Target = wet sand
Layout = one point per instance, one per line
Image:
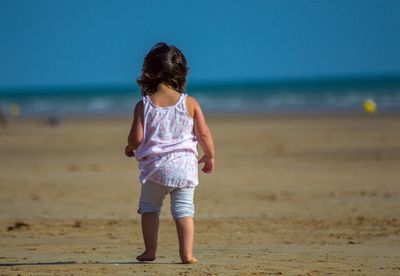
(290, 195)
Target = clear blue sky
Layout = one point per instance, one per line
(96, 42)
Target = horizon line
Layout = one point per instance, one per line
(338, 79)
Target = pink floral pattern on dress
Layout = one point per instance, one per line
(168, 152)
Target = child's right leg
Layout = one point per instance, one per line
(182, 209)
(185, 229)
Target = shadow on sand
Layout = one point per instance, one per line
(78, 263)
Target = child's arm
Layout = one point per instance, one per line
(203, 135)
(135, 136)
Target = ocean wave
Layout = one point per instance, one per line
(212, 100)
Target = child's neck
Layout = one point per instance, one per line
(165, 89)
(165, 96)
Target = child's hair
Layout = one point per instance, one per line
(164, 63)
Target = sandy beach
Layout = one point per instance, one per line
(291, 195)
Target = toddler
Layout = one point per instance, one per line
(166, 127)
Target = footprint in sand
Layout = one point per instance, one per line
(74, 168)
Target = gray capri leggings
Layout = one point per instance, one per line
(152, 195)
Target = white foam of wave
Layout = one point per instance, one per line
(213, 101)
(98, 104)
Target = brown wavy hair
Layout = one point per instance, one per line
(163, 63)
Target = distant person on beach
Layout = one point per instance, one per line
(166, 126)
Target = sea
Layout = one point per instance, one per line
(315, 96)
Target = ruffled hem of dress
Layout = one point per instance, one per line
(173, 184)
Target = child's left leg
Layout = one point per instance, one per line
(150, 222)
(151, 199)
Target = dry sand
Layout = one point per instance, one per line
(290, 195)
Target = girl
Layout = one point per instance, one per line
(166, 126)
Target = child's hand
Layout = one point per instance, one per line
(208, 164)
(129, 151)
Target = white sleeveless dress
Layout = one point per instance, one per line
(167, 154)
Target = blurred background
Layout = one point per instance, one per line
(81, 58)
(302, 98)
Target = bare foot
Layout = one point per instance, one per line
(193, 260)
(146, 257)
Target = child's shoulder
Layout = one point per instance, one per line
(139, 104)
(190, 100)
(139, 107)
(192, 105)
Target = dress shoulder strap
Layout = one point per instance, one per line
(182, 102)
(146, 104)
